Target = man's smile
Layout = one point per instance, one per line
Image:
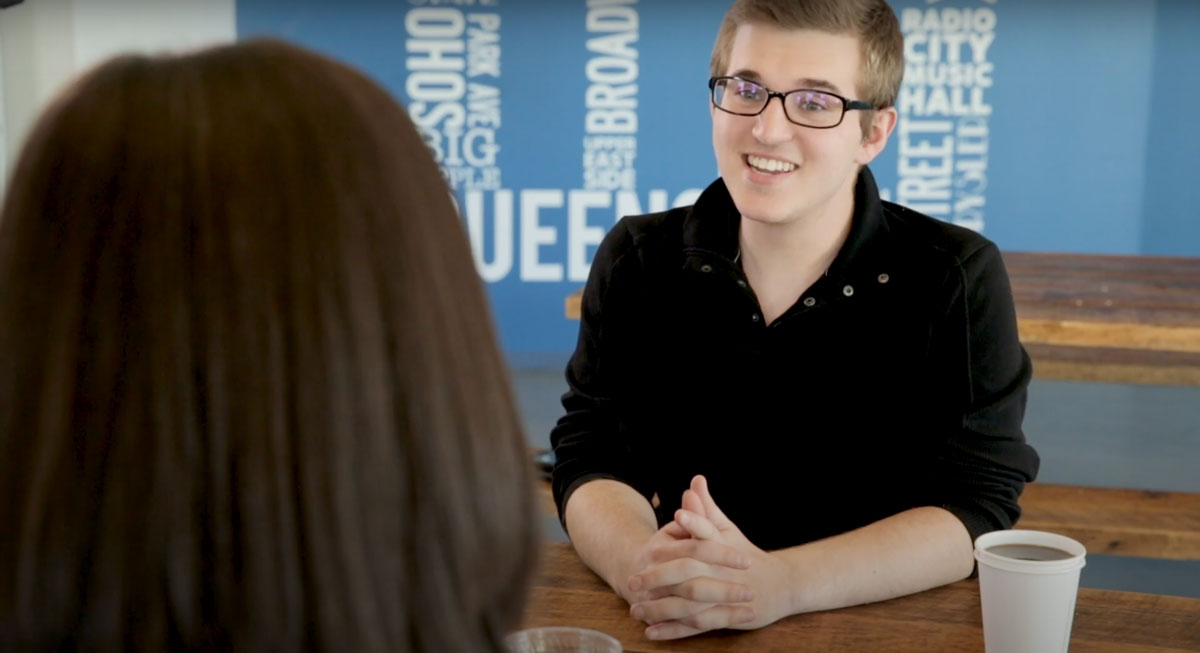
(768, 165)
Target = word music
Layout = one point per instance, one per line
(943, 131)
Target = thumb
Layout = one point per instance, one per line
(714, 514)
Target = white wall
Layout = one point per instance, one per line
(3, 126)
(46, 43)
(36, 57)
(106, 27)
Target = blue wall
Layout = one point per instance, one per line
(1070, 152)
(1170, 219)
(1078, 137)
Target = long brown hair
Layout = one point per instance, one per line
(250, 397)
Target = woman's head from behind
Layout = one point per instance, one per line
(249, 394)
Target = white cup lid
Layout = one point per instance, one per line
(1034, 538)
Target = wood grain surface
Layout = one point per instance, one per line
(948, 618)
(1116, 521)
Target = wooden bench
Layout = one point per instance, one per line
(1086, 317)
(1124, 319)
(1140, 523)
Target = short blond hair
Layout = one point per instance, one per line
(872, 21)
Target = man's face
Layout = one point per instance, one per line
(823, 162)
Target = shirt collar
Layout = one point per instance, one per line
(712, 224)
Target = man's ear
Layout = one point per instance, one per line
(876, 136)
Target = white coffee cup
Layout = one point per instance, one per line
(1028, 600)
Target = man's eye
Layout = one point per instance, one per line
(749, 92)
(811, 102)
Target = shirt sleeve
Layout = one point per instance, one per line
(981, 467)
(591, 440)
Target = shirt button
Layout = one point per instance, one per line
(810, 301)
(741, 284)
(755, 317)
(848, 291)
(884, 278)
(706, 268)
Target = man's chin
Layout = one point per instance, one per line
(777, 191)
(770, 219)
(756, 210)
(760, 206)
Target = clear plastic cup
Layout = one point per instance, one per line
(561, 639)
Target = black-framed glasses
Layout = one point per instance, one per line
(804, 106)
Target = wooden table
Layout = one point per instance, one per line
(1088, 317)
(566, 593)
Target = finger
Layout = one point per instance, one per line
(720, 616)
(715, 617)
(675, 531)
(668, 573)
(674, 572)
(711, 511)
(710, 551)
(657, 593)
(691, 501)
(696, 525)
(670, 630)
(666, 609)
(710, 590)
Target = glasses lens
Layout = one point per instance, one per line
(814, 108)
(739, 96)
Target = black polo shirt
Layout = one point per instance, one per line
(895, 381)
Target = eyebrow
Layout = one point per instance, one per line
(804, 82)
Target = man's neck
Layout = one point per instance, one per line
(782, 261)
(801, 248)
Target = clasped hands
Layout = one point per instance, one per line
(700, 573)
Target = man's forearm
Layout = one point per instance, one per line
(909, 552)
(608, 522)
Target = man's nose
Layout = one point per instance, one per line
(772, 125)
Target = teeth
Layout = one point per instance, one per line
(770, 165)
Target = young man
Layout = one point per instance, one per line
(844, 373)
